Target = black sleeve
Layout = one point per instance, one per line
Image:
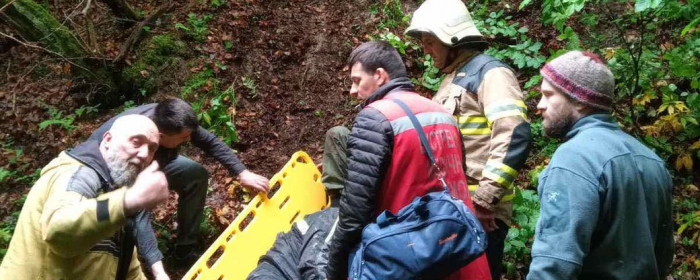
(213, 146)
(146, 238)
(369, 152)
(145, 110)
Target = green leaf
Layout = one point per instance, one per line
(181, 27)
(517, 243)
(690, 26)
(373, 10)
(524, 4)
(535, 47)
(65, 123)
(682, 228)
(4, 173)
(693, 100)
(513, 233)
(206, 118)
(643, 5)
(507, 248)
(535, 80)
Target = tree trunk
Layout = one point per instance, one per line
(123, 12)
(33, 23)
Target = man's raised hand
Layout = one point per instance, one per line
(150, 189)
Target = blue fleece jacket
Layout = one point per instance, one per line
(605, 208)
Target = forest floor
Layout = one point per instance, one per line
(285, 61)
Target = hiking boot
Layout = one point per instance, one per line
(186, 256)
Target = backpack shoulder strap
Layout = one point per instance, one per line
(423, 139)
(127, 250)
(471, 74)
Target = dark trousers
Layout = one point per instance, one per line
(189, 179)
(335, 157)
(335, 162)
(494, 251)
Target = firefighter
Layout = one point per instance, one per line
(484, 96)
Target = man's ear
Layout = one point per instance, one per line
(382, 76)
(582, 109)
(106, 138)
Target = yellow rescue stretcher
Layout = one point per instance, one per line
(236, 251)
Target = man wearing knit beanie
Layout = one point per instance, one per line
(605, 198)
(584, 79)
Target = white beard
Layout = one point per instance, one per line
(123, 173)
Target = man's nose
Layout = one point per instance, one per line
(541, 106)
(143, 152)
(353, 90)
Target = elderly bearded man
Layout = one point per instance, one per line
(72, 225)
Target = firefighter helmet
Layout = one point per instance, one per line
(449, 21)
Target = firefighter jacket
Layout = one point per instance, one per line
(70, 227)
(484, 96)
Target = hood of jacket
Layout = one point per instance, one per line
(88, 153)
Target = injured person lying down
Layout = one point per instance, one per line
(302, 252)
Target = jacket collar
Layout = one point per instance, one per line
(398, 84)
(89, 154)
(462, 56)
(604, 120)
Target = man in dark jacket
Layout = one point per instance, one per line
(605, 198)
(386, 168)
(178, 123)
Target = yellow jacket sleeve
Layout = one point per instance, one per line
(506, 114)
(75, 218)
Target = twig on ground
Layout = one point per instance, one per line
(90, 29)
(87, 7)
(6, 5)
(7, 71)
(45, 50)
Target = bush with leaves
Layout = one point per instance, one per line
(196, 27)
(7, 226)
(526, 211)
(215, 108)
(391, 14)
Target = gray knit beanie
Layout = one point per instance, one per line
(583, 76)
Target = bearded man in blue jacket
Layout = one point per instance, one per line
(605, 209)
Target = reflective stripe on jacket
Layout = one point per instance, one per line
(484, 96)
